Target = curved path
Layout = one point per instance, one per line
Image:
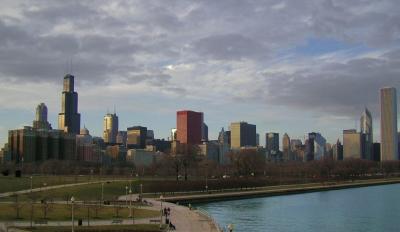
(182, 217)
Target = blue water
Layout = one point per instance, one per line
(375, 208)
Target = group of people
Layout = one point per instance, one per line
(167, 212)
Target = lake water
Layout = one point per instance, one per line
(375, 208)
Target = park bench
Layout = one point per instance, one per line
(154, 220)
(116, 221)
(40, 222)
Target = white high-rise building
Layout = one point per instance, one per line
(389, 136)
(110, 128)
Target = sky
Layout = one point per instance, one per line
(286, 66)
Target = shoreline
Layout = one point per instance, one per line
(276, 191)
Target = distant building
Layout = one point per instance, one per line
(210, 150)
(376, 152)
(243, 134)
(137, 136)
(36, 145)
(86, 150)
(286, 147)
(352, 144)
(110, 128)
(204, 132)
(189, 125)
(315, 146)
(272, 143)
(174, 134)
(40, 121)
(122, 136)
(69, 120)
(367, 132)
(141, 157)
(296, 149)
(337, 151)
(224, 146)
(389, 140)
(117, 153)
(257, 139)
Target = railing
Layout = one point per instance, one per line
(207, 215)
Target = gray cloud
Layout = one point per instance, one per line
(134, 41)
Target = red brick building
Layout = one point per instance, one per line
(189, 126)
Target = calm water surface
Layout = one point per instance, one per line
(375, 208)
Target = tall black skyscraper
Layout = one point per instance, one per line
(69, 119)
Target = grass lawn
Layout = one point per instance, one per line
(11, 183)
(113, 228)
(85, 192)
(61, 212)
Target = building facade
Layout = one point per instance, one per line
(286, 147)
(389, 140)
(352, 144)
(272, 143)
(136, 137)
(40, 121)
(69, 120)
(189, 125)
(367, 131)
(243, 134)
(110, 128)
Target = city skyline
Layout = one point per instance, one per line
(238, 69)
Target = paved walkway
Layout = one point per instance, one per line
(184, 219)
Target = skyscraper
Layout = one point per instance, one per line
(110, 128)
(136, 137)
(366, 130)
(286, 146)
(315, 146)
(69, 119)
(352, 144)
(40, 121)
(189, 125)
(389, 140)
(272, 143)
(204, 132)
(243, 134)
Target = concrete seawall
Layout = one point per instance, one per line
(276, 191)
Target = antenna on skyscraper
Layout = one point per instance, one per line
(114, 110)
(71, 64)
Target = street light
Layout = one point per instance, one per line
(72, 209)
(102, 192)
(31, 177)
(161, 199)
(141, 192)
(130, 206)
(126, 196)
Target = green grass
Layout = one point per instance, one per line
(113, 228)
(62, 212)
(88, 192)
(11, 183)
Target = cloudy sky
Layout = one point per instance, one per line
(286, 66)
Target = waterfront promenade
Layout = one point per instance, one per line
(275, 190)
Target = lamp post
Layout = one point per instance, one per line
(161, 199)
(102, 192)
(72, 209)
(141, 192)
(126, 196)
(31, 177)
(130, 206)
